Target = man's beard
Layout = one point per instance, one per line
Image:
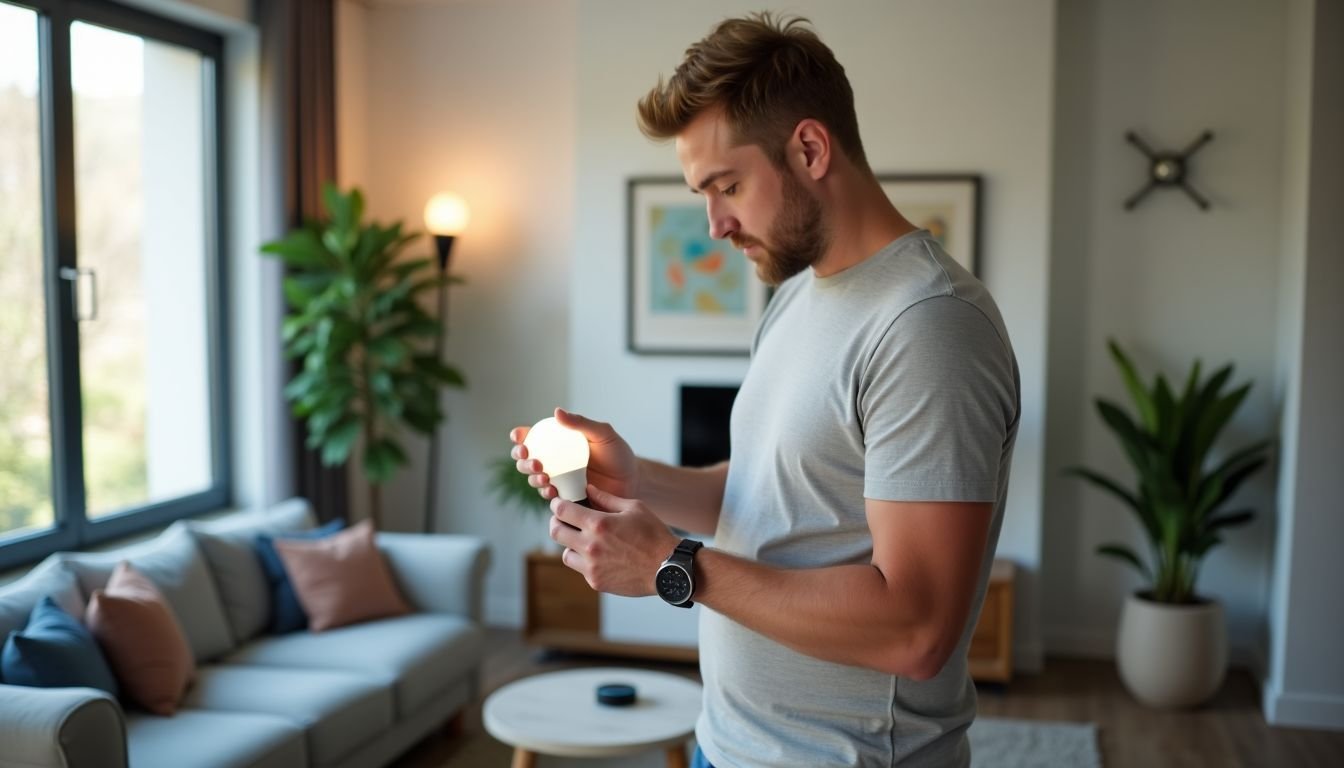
(796, 239)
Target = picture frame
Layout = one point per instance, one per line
(946, 204)
(687, 294)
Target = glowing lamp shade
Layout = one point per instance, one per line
(446, 214)
(563, 453)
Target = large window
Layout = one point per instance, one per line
(112, 371)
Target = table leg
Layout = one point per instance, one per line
(523, 758)
(676, 757)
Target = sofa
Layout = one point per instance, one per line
(358, 695)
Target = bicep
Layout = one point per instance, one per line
(930, 554)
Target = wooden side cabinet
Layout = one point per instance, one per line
(990, 656)
(563, 613)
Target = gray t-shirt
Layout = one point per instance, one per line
(895, 380)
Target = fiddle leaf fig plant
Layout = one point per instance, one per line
(1180, 494)
(368, 348)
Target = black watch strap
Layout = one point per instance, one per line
(687, 549)
(684, 556)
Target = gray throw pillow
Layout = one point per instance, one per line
(242, 584)
(175, 564)
(48, 577)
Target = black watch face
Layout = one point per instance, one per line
(673, 584)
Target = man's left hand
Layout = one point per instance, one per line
(617, 547)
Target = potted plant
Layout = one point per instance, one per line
(1172, 645)
(369, 367)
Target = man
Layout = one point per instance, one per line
(856, 520)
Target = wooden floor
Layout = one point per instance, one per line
(1228, 732)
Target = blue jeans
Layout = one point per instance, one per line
(699, 760)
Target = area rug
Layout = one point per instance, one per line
(995, 743)
(999, 743)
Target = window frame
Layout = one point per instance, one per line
(72, 528)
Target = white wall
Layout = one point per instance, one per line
(475, 97)
(1169, 282)
(939, 86)
(1305, 682)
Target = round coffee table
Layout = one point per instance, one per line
(557, 713)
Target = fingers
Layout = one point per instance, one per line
(519, 451)
(590, 429)
(576, 515)
(565, 534)
(608, 501)
(518, 435)
(573, 560)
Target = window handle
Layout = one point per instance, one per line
(73, 275)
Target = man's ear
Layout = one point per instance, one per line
(810, 148)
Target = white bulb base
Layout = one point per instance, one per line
(572, 485)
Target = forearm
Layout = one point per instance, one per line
(684, 497)
(850, 614)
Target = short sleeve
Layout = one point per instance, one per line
(938, 402)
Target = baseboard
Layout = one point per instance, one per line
(1304, 710)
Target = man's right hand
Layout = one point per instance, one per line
(612, 466)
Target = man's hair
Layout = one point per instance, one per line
(767, 73)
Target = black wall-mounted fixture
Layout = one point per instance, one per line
(1168, 169)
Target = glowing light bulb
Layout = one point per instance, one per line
(563, 453)
(446, 214)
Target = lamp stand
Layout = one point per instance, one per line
(443, 244)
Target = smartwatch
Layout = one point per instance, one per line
(675, 582)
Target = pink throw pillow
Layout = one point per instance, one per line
(341, 579)
(143, 642)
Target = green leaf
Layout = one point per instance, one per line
(1215, 418)
(1137, 392)
(336, 447)
(1132, 440)
(380, 382)
(1121, 552)
(408, 268)
(1230, 519)
(382, 460)
(1105, 483)
(299, 291)
(301, 249)
(300, 384)
(389, 349)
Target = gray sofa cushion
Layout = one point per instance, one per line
(229, 548)
(197, 739)
(340, 711)
(241, 582)
(420, 655)
(50, 577)
(175, 565)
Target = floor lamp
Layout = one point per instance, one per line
(445, 217)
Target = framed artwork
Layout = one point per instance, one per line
(689, 294)
(948, 205)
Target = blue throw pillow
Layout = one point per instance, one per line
(286, 613)
(55, 651)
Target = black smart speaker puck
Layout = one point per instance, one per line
(616, 694)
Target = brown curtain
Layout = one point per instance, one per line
(299, 114)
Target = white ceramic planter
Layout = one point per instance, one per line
(1172, 656)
